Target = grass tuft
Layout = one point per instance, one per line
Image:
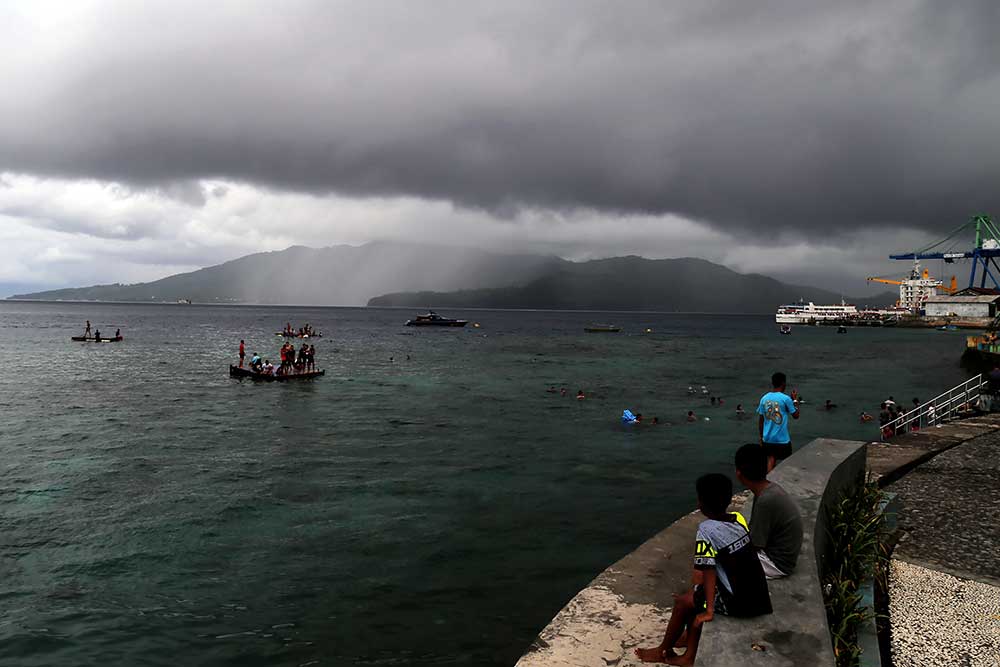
(856, 553)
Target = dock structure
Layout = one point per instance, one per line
(983, 254)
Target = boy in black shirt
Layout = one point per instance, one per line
(727, 574)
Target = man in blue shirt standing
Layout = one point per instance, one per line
(775, 409)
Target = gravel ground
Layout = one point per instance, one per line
(950, 507)
(937, 619)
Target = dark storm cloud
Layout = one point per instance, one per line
(746, 116)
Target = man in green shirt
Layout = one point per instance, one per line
(775, 524)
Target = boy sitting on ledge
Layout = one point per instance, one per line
(727, 574)
(775, 523)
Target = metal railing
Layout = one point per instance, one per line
(937, 410)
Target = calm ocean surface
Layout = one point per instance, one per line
(436, 510)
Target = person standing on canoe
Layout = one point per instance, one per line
(311, 357)
(243, 352)
(97, 335)
(87, 331)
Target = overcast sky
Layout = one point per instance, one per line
(801, 140)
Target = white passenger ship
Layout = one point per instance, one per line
(805, 313)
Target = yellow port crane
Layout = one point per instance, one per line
(915, 289)
(951, 289)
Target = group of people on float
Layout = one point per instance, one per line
(733, 557)
(291, 361)
(301, 332)
(97, 332)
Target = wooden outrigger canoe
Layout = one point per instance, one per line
(237, 372)
(297, 335)
(91, 339)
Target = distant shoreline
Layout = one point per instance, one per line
(401, 308)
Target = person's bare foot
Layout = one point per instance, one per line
(655, 654)
(674, 659)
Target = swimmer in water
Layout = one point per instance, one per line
(580, 395)
(562, 392)
(830, 405)
(690, 389)
(691, 417)
(638, 418)
(739, 410)
(865, 417)
(713, 400)
(704, 389)
(656, 421)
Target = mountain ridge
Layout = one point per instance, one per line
(635, 283)
(387, 273)
(340, 275)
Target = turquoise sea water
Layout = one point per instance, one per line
(436, 509)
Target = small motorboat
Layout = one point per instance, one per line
(237, 372)
(785, 329)
(102, 339)
(432, 319)
(602, 328)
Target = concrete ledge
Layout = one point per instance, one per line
(627, 605)
(796, 633)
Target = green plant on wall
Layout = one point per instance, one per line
(856, 554)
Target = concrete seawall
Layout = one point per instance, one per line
(628, 604)
(816, 476)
